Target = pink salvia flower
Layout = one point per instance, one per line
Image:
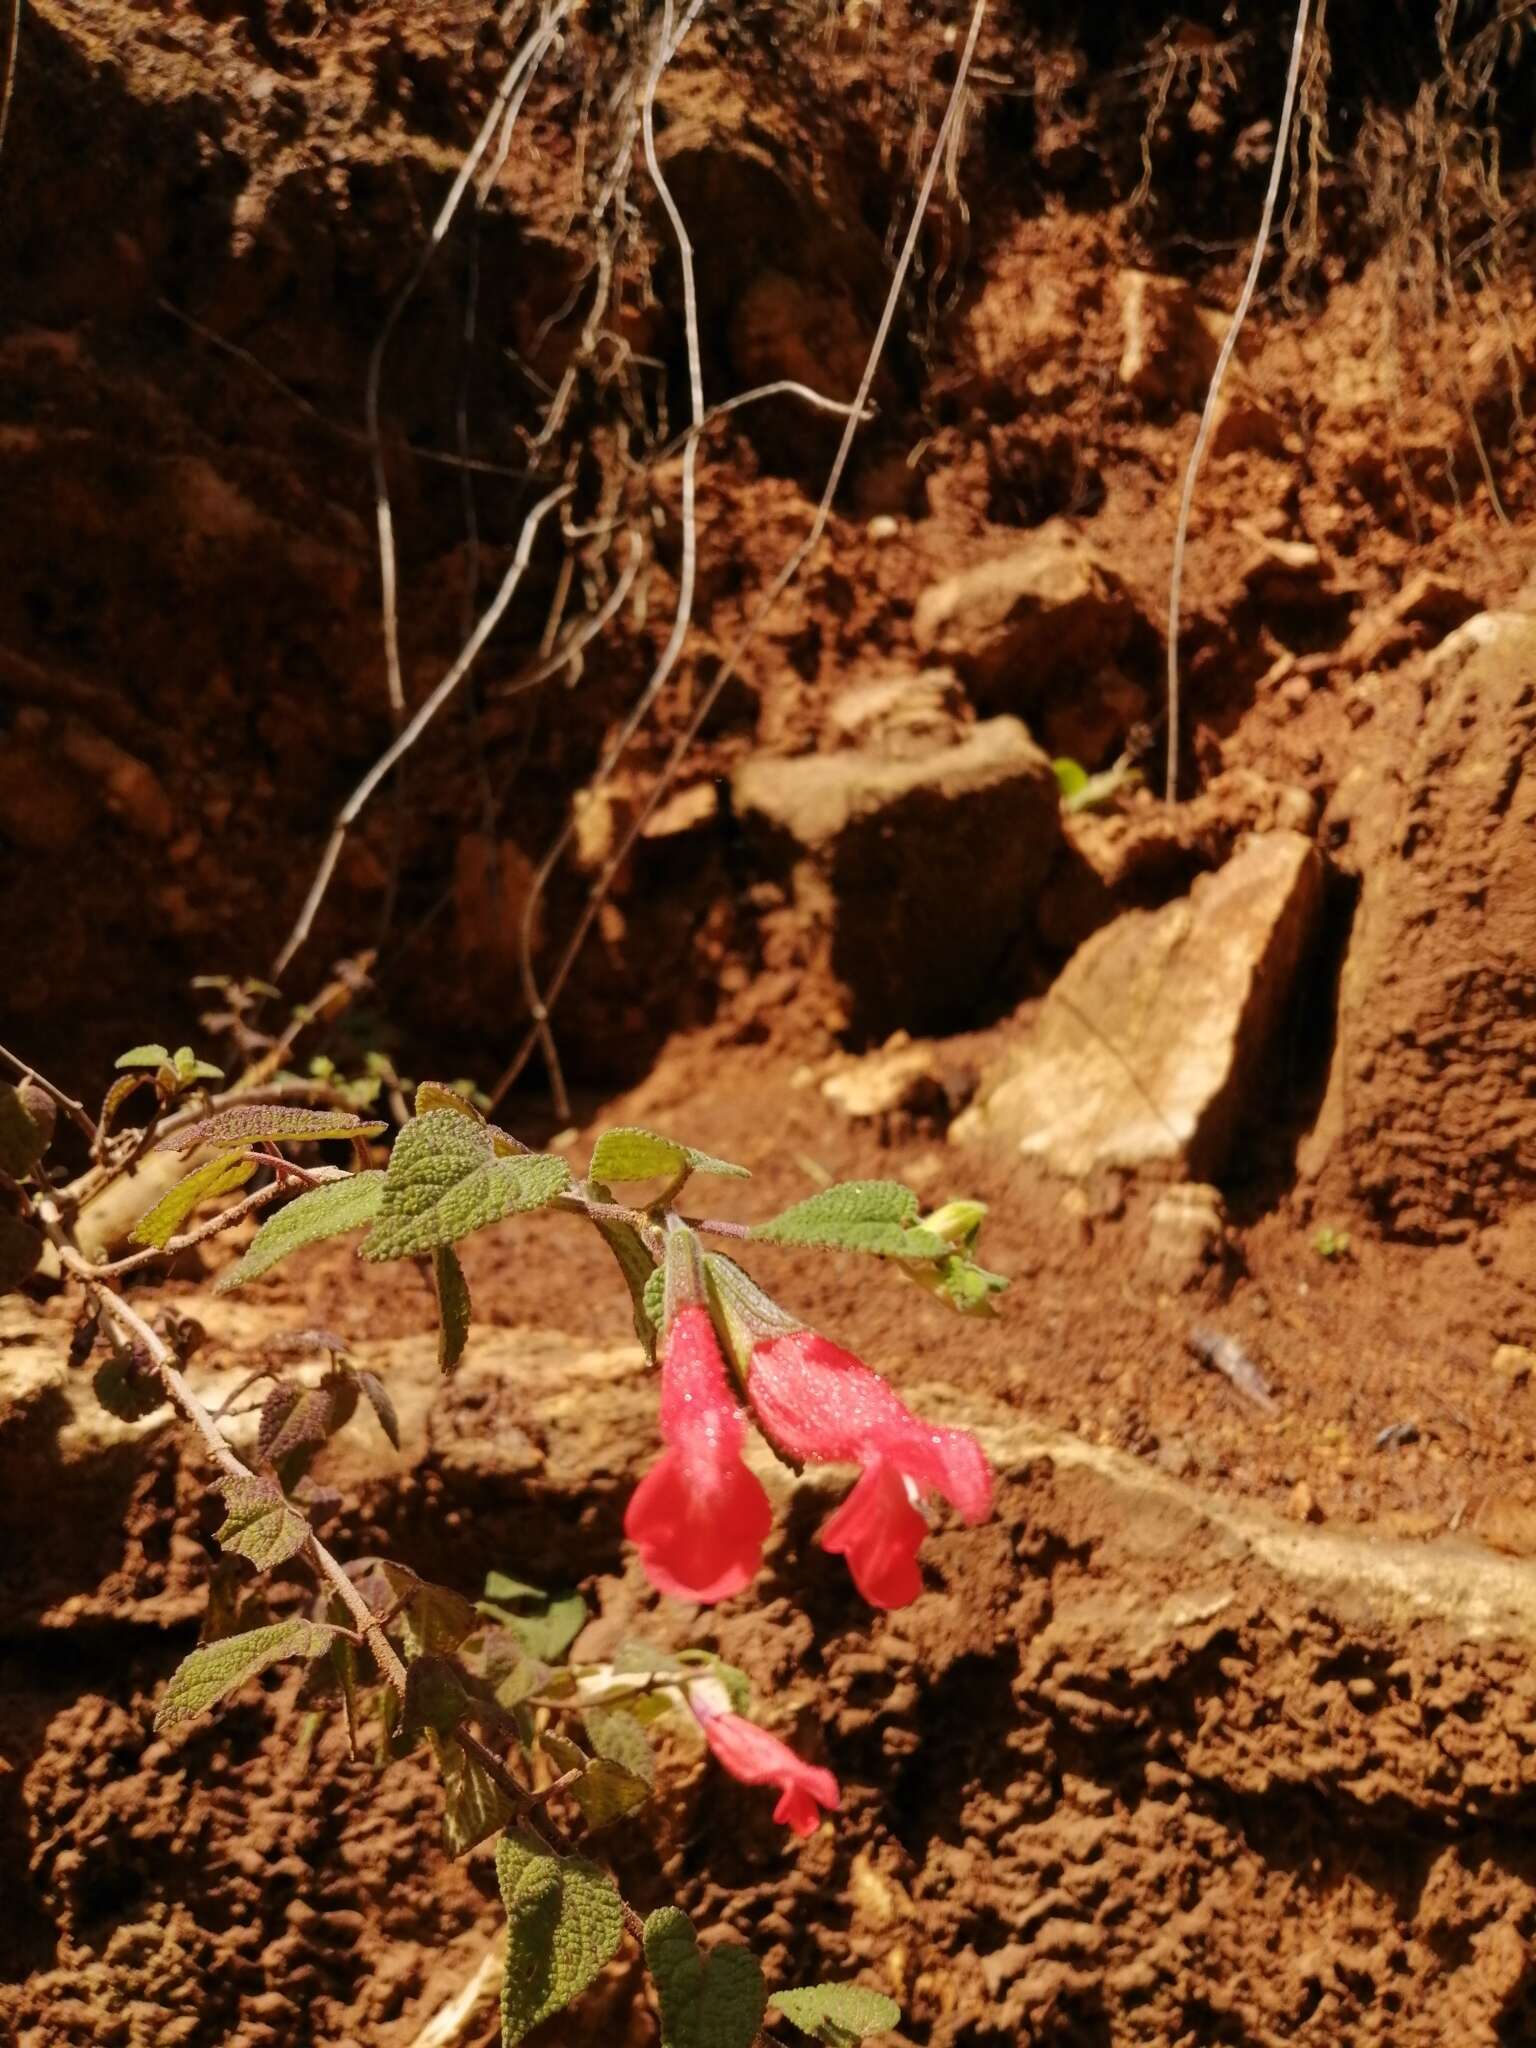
(823, 1405)
(698, 1518)
(755, 1757)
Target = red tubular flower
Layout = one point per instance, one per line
(755, 1757)
(821, 1404)
(698, 1518)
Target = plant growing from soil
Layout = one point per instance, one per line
(534, 1747)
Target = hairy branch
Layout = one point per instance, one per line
(490, 618)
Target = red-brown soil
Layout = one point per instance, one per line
(1222, 1730)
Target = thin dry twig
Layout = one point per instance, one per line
(1218, 377)
(781, 582)
(667, 46)
(490, 618)
(12, 50)
(513, 87)
(138, 1336)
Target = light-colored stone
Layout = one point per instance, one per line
(911, 878)
(1187, 1244)
(1169, 341)
(1146, 1051)
(901, 716)
(1012, 625)
(1514, 1362)
(914, 1079)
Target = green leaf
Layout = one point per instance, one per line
(653, 1301)
(838, 2013)
(606, 1792)
(268, 1123)
(216, 1669)
(630, 1153)
(546, 1624)
(438, 1095)
(474, 1805)
(22, 1142)
(190, 1068)
(620, 1738)
(435, 1699)
(564, 1922)
(1071, 776)
(707, 2001)
(20, 1249)
(858, 1216)
(433, 1619)
(960, 1284)
(214, 1177)
(640, 1271)
(445, 1180)
(144, 1056)
(454, 1308)
(260, 1522)
(318, 1213)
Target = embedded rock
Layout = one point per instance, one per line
(914, 877)
(1430, 1118)
(1013, 625)
(1147, 1049)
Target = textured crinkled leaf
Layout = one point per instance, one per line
(619, 1737)
(454, 1309)
(20, 1249)
(474, 1805)
(837, 2013)
(857, 1216)
(713, 2000)
(381, 1401)
(640, 1271)
(118, 1094)
(216, 1669)
(435, 1619)
(564, 1923)
(261, 1523)
(544, 1623)
(214, 1177)
(144, 1056)
(268, 1123)
(630, 1153)
(565, 1754)
(318, 1213)
(435, 1698)
(438, 1095)
(606, 1791)
(22, 1140)
(292, 1416)
(445, 1180)
(127, 1389)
